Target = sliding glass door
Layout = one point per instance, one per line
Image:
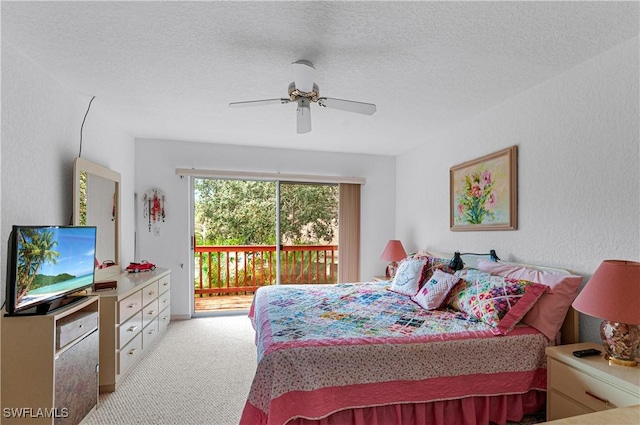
(249, 234)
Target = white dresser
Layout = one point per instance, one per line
(132, 318)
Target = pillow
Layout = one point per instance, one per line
(498, 301)
(407, 278)
(435, 291)
(431, 265)
(548, 314)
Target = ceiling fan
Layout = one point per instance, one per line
(303, 92)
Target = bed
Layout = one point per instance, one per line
(375, 353)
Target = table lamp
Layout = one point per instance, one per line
(393, 252)
(613, 294)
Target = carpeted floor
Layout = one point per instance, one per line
(199, 373)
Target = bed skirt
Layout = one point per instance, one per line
(467, 411)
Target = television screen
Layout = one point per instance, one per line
(46, 263)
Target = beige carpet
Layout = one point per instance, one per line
(199, 373)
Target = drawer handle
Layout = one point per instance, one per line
(132, 328)
(152, 312)
(165, 284)
(81, 326)
(603, 400)
(151, 331)
(132, 305)
(151, 292)
(132, 351)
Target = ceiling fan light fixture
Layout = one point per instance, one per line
(303, 115)
(294, 93)
(304, 91)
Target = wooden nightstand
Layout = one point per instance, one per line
(577, 386)
(380, 278)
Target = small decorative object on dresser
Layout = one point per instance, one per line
(613, 294)
(142, 266)
(581, 385)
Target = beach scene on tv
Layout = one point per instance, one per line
(52, 261)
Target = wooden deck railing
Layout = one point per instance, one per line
(242, 269)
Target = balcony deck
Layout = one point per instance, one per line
(225, 273)
(223, 303)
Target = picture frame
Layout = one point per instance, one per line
(484, 192)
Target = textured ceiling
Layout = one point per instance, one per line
(168, 70)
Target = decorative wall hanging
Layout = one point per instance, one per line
(153, 207)
(483, 192)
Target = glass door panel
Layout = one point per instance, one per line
(234, 241)
(308, 233)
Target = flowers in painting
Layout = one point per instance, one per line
(476, 199)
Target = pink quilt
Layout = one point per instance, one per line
(326, 348)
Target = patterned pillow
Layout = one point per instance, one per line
(548, 313)
(432, 264)
(435, 291)
(407, 278)
(496, 300)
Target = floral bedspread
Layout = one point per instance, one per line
(324, 348)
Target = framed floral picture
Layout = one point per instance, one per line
(484, 193)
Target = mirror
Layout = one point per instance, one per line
(96, 202)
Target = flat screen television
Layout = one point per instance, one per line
(46, 264)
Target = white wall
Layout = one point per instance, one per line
(156, 162)
(579, 172)
(41, 122)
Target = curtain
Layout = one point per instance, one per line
(349, 233)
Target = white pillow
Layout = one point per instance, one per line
(407, 278)
(434, 292)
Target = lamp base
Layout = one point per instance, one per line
(391, 270)
(620, 342)
(614, 361)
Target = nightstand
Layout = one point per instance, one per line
(577, 386)
(380, 278)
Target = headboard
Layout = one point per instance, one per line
(569, 333)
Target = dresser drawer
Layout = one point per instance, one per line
(150, 312)
(164, 300)
(591, 392)
(150, 293)
(129, 329)
(129, 306)
(129, 354)
(164, 284)
(164, 318)
(72, 327)
(150, 333)
(561, 406)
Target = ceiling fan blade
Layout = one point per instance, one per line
(347, 105)
(258, 103)
(303, 75)
(303, 113)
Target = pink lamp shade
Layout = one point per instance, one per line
(613, 294)
(394, 251)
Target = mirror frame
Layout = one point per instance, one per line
(82, 165)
